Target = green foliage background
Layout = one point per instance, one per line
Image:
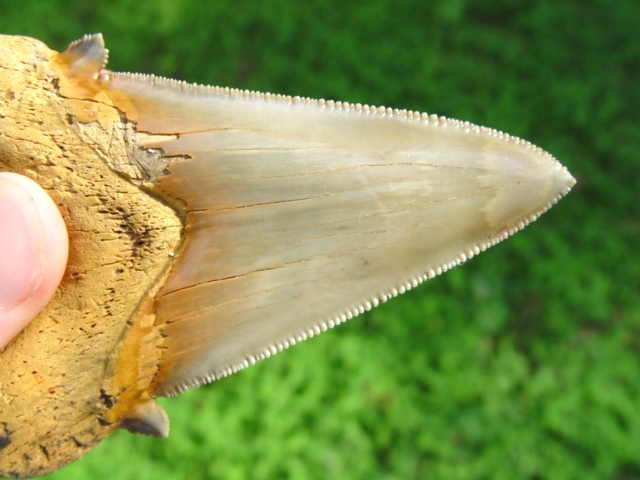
(523, 364)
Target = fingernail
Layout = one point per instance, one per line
(22, 245)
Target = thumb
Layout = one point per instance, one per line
(33, 252)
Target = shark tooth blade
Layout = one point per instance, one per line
(302, 214)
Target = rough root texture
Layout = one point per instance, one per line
(57, 375)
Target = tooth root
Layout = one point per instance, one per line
(147, 418)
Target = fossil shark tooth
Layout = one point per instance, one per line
(258, 221)
(302, 214)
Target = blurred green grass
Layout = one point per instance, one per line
(523, 364)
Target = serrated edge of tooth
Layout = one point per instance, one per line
(381, 297)
(380, 111)
(362, 306)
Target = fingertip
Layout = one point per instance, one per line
(33, 252)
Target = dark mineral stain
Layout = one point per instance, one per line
(5, 435)
(106, 398)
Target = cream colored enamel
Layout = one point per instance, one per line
(302, 214)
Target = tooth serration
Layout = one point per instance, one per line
(412, 281)
(360, 308)
(430, 119)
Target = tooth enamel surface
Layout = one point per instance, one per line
(299, 208)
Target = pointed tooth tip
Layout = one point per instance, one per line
(527, 182)
(562, 182)
(569, 180)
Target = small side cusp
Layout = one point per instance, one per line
(86, 57)
(147, 418)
